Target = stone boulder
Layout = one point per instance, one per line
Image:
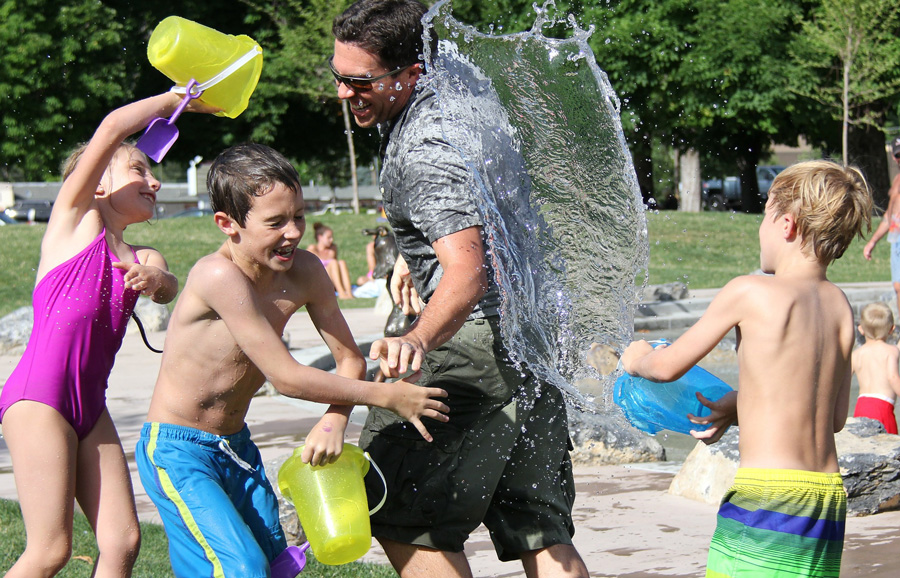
(601, 439)
(15, 330)
(870, 464)
(708, 471)
(153, 316)
(868, 457)
(667, 292)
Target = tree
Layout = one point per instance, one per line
(640, 44)
(853, 46)
(299, 94)
(60, 62)
(705, 75)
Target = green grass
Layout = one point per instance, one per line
(704, 250)
(153, 560)
(181, 241)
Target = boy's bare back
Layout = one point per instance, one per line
(794, 348)
(875, 364)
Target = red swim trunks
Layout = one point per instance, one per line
(877, 408)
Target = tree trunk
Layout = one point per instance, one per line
(690, 182)
(641, 153)
(750, 201)
(867, 151)
(345, 109)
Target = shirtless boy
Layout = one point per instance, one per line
(195, 456)
(785, 513)
(875, 366)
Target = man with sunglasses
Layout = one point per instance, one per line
(503, 457)
(890, 225)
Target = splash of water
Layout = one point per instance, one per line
(556, 186)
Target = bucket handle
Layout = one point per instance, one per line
(231, 69)
(383, 481)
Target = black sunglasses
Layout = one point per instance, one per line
(360, 83)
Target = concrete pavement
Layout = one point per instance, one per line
(626, 523)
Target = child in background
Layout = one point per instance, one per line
(63, 444)
(195, 456)
(327, 252)
(785, 513)
(876, 367)
(370, 262)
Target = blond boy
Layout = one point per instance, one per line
(785, 513)
(875, 364)
(195, 456)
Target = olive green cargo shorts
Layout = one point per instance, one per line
(502, 459)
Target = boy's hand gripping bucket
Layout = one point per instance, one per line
(331, 503)
(226, 67)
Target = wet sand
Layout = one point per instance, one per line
(626, 523)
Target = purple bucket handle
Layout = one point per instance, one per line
(161, 134)
(189, 95)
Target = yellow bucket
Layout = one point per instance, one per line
(182, 49)
(331, 503)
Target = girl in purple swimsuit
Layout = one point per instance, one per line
(63, 444)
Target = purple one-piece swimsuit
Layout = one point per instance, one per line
(81, 310)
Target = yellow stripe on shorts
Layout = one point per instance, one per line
(170, 491)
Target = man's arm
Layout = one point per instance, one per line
(463, 283)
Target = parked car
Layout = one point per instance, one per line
(193, 212)
(30, 210)
(335, 208)
(7, 220)
(725, 194)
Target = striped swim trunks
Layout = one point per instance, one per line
(779, 523)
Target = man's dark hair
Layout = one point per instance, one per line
(245, 171)
(389, 29)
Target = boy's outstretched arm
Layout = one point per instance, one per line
(325, 441)
(228, 292)
(670, 362)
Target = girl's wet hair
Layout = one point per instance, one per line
(830, 203)
(243, 172)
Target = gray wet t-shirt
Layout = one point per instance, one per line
(428, 194)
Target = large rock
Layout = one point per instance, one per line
(601, 439)
(153, 316)
(675, 291)
(708, 471)
(868, 457)
(870, 465)
(15, 330)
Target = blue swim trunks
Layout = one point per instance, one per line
(218, 508)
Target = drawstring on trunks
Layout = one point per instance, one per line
(226, 447)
